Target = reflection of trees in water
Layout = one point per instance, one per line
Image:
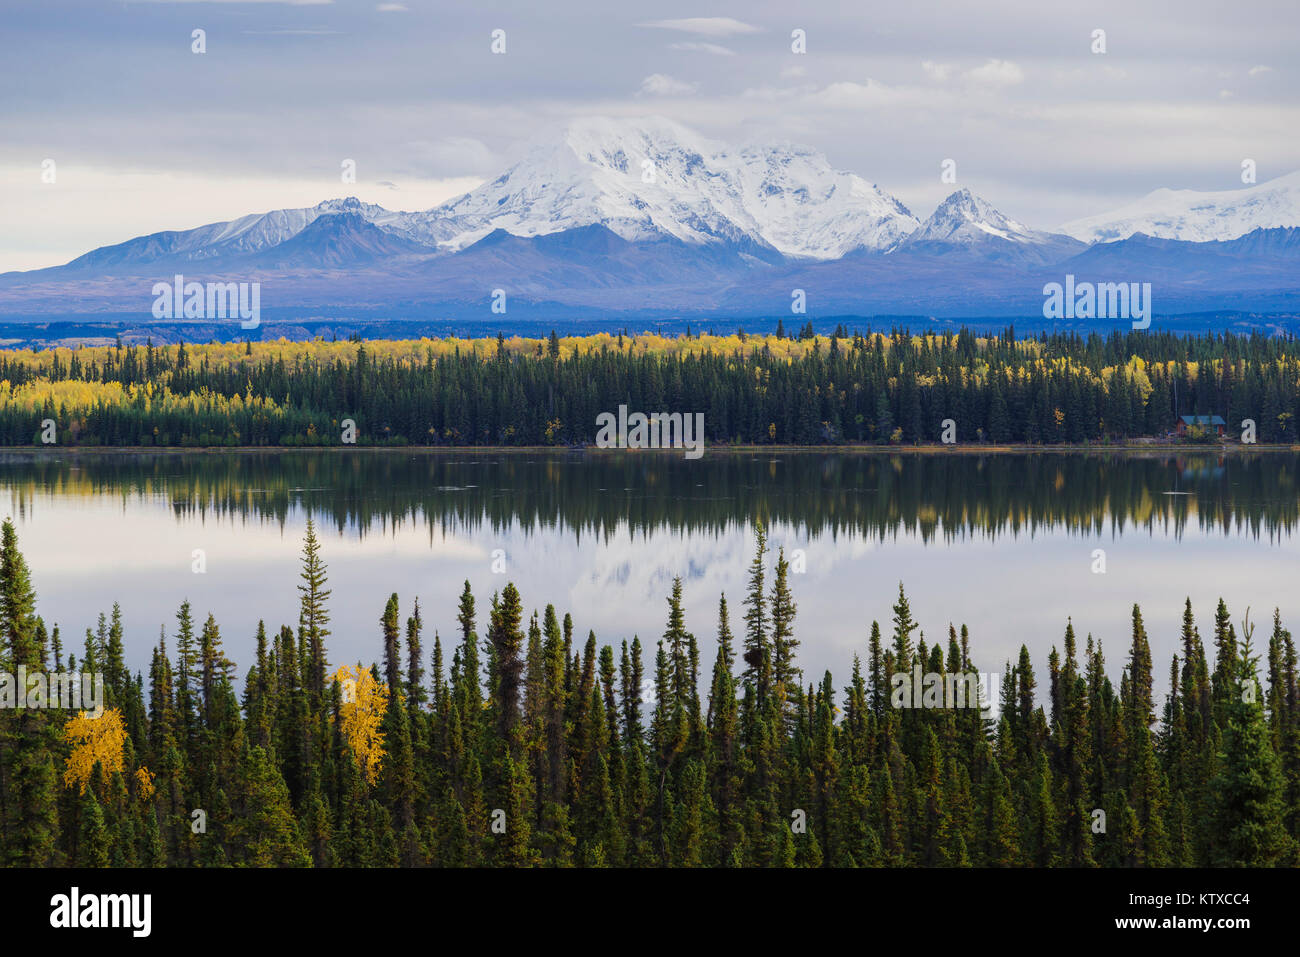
(878, 495)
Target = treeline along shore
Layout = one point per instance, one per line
(874, 388)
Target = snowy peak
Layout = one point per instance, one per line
(967, 225)
(964, 218)
(806, 208)
(642, 180)
(1197, 216)
(370, 212)
(651, 178)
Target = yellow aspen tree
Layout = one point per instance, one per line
(365, 701)
(93, 739)
(144, 786)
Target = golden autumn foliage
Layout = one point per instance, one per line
(364, 702)
(143, 784)
(93, 739)
(155, 397)
(226, 355)
(80, 396)
(73, 394)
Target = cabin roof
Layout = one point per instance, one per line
(1203, 419)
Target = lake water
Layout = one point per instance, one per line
(1002, 542)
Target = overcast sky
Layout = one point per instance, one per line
(147, 135)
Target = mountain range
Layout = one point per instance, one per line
(645, 218)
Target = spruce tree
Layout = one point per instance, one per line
(313, 615)
(758, 653)
(1247, 791)
(29, 822)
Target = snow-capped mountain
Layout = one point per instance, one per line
(1197, 216)
(964, 218)
(652, 178)
(806, 209)
(966, 222)
(340, 240)
(645, 217)
(646, 179)
(238, 237)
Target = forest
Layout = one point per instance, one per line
(875, 388)
(528, 745)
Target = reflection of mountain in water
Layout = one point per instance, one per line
(930, 495)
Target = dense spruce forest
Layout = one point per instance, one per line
(806, 390)
(530, 745)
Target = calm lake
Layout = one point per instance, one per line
(1002, 542)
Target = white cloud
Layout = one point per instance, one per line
(704, 26)
(791, 72)
(937, 71)
(1257, 70)
(995, 73)
(660, 84)
(698, 47)
(392, 8)
(847, 95)
(1088, 75)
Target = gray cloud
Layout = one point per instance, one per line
(287, 90)
(660, 84)
(698, 47)
(705, 26)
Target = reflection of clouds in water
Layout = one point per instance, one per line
(618, 575)
(627, 570)
(643, 568)
(1008, 591)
